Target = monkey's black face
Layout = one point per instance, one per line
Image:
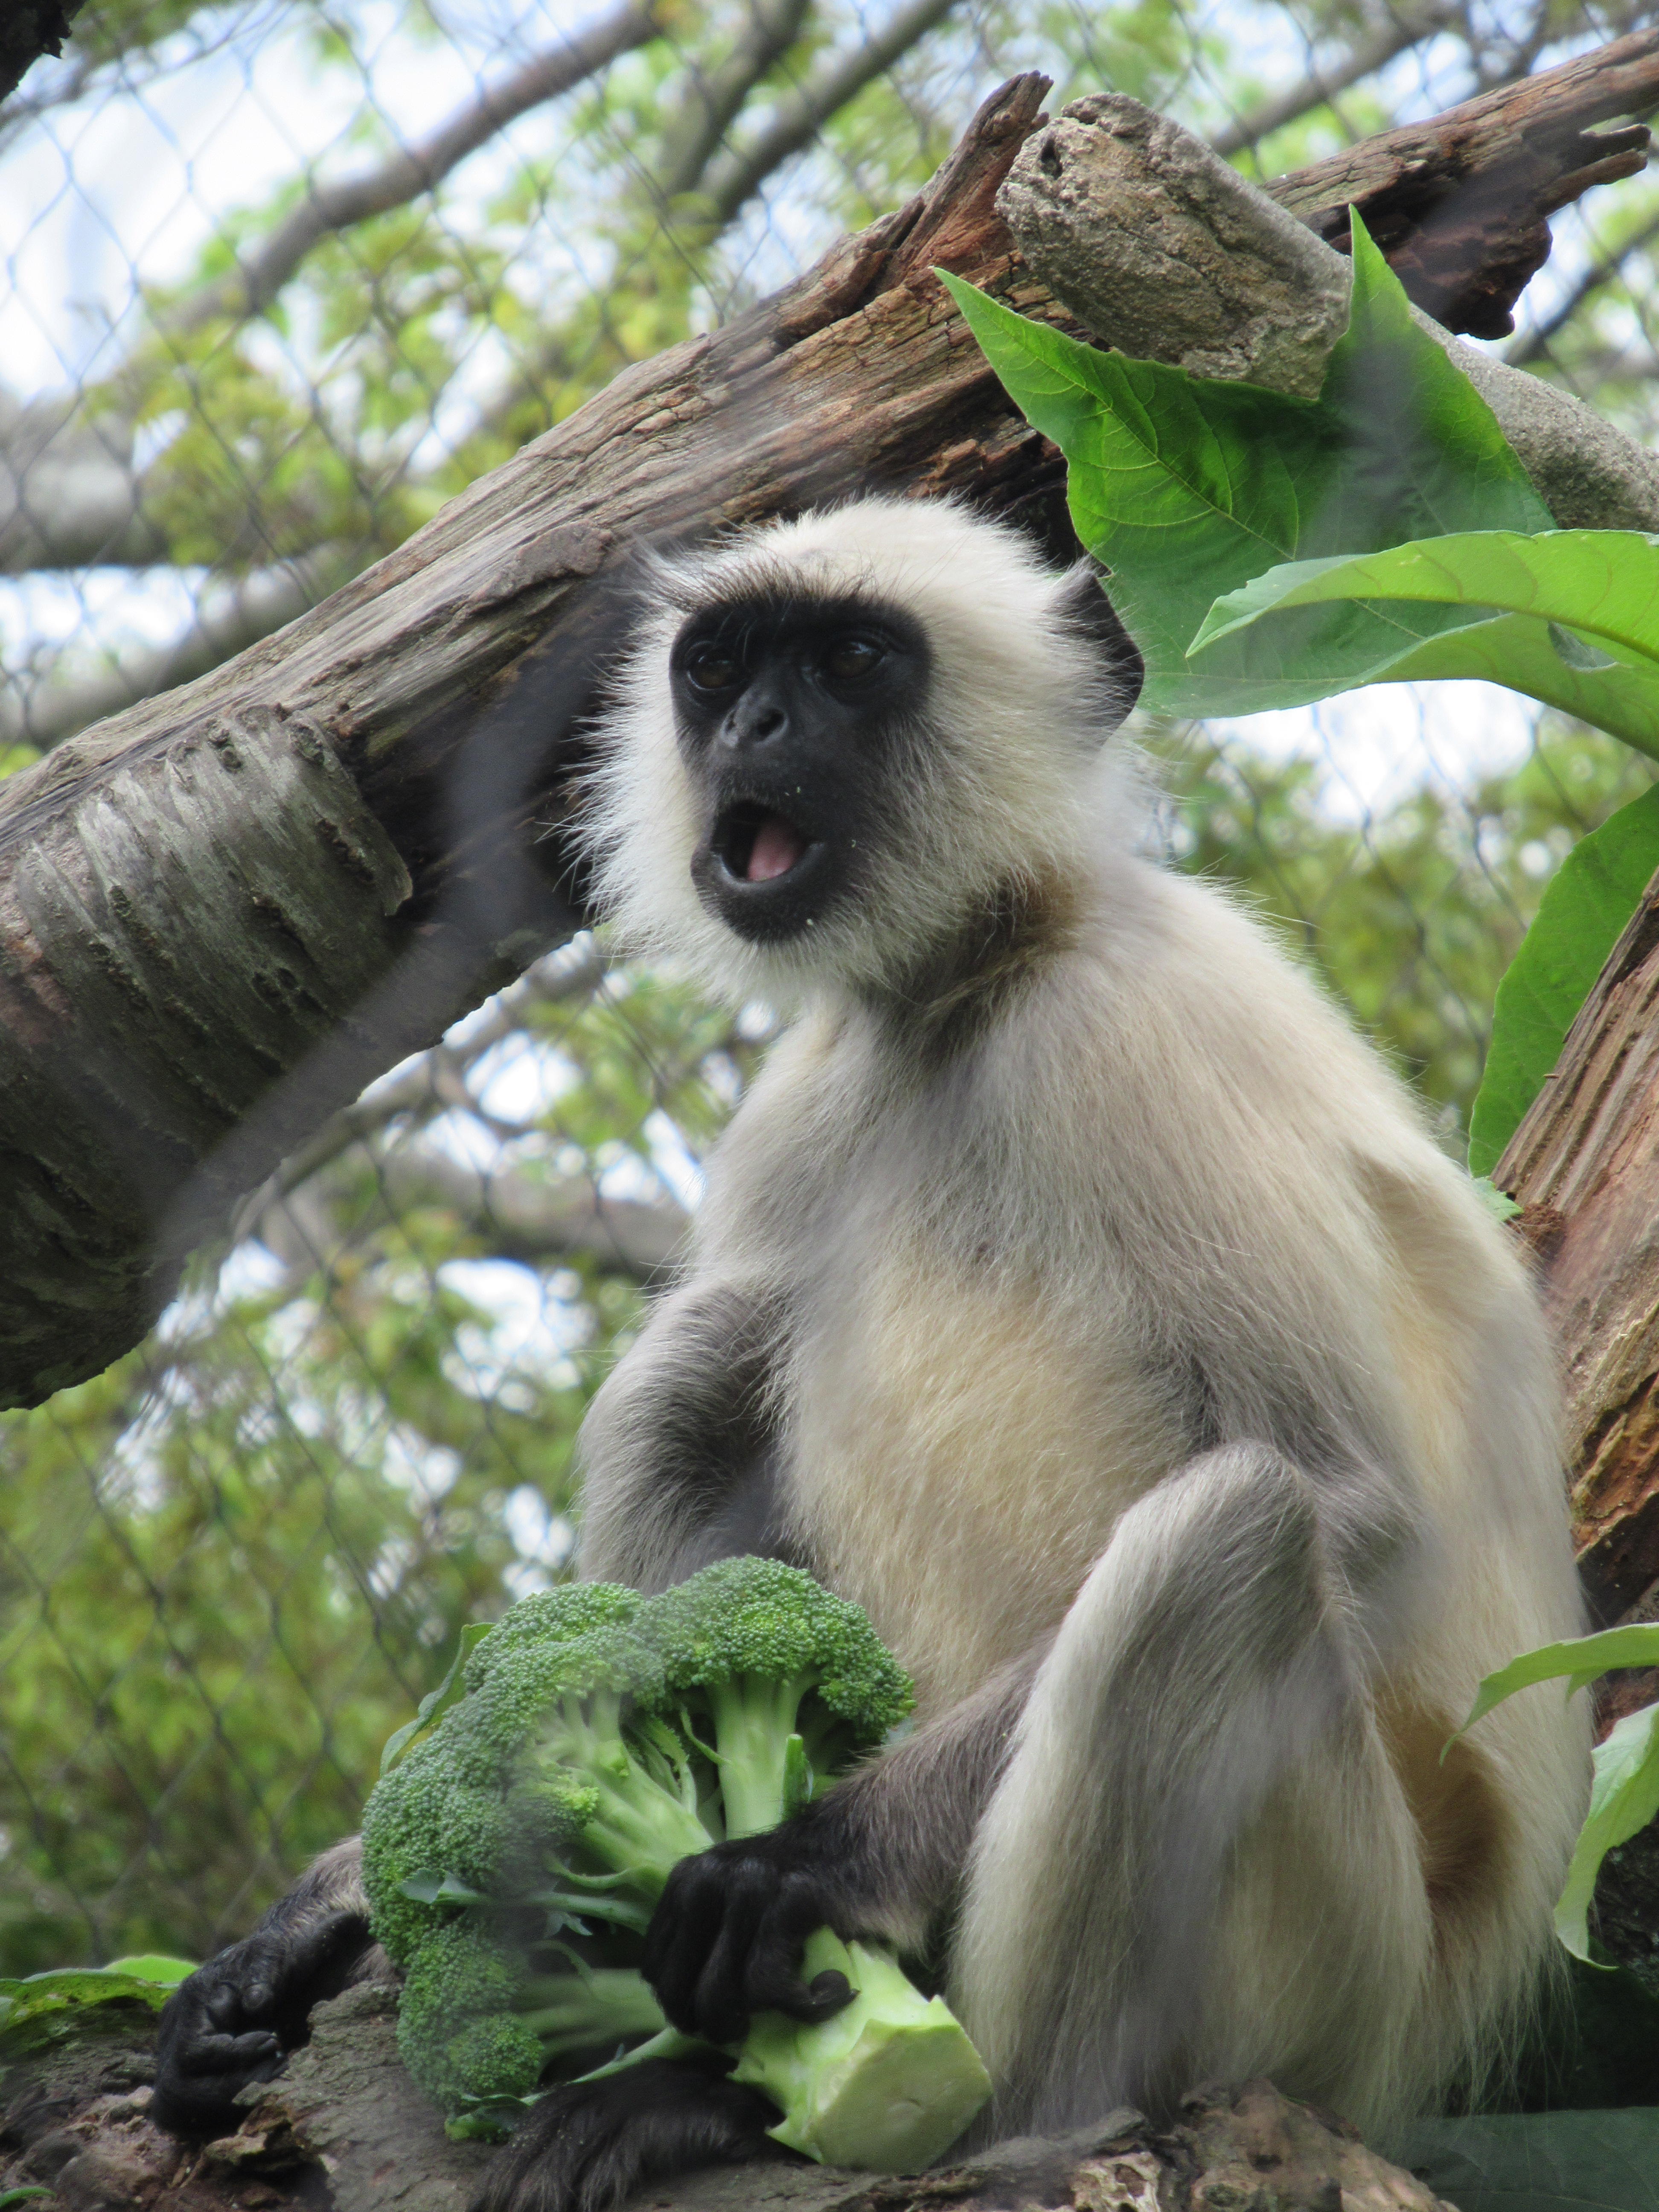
(792, 714)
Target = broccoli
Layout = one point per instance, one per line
(473, 2026)
(601, 1738)
(550, 1796)
(789, 1682)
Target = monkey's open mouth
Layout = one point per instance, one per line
(756, 846)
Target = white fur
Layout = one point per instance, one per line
(985, 1289)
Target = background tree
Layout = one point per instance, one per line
(229, 1565)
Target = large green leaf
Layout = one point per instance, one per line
(1538, 2161)
(1570, 616)
(1625, 1794)
(1589, 899)
(1188, 486)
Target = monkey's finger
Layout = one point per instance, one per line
(229, 2054)
(774, 1979)
(683, 1930)
(723, 2007)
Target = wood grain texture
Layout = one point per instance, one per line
(1584, 1166)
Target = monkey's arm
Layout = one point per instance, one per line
(678, 1448)
(235, 2019)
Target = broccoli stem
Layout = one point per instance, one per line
(588, 2007)
(755, 1722)
(889, 2083)
(641, 1827)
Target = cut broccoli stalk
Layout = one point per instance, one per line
(889, 2083)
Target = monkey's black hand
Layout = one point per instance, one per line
(583, 2148)
(236, 2019)
(726, 1938)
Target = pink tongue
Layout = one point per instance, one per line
(777, 847)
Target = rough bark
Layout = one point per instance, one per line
(222, 912)
(1584, 1166)
(1461, 205)
(343, 2130)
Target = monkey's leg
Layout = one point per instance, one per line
(1197, 1832)
(235, 2019)
(584, 2146)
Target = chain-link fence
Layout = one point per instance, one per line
(283, 277)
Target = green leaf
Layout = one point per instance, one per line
(436, 1702)
(1581, 1659)
(1624, 1798)
(152, 1966)
(1184, 485)
(28, 2003)
(1605, 2162)
(1423, 454)
(1489, 604)
(1580, 918)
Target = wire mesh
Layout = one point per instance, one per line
(283, 277)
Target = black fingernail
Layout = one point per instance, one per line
(830, 1987)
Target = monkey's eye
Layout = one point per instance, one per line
(711, 668)
(846, 659)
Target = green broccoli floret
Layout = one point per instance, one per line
(551, 1616)
(611, 1784)
(472, 2025)
(787, 1682)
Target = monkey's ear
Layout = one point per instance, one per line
(1086, 609)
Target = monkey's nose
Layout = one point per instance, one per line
(754, 722)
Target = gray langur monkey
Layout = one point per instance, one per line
(1076, 1291)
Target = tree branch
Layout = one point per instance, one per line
(1321, 84)
(795, 121)
(226, 622)
(69, 495)
(714, 98)
(249, 289)
(1461, 205)
(29, 29)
